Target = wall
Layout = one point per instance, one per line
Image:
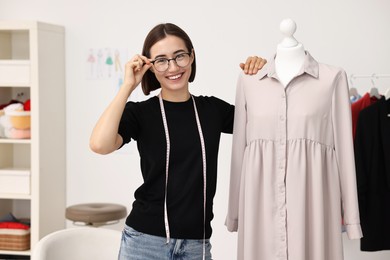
(352, 34)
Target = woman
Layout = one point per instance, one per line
(178, 137)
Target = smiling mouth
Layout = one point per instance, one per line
(175, 77)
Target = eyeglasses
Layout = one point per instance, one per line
(181, 60)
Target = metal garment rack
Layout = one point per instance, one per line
(373, 77)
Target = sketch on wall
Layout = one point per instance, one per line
(108, 64)
(105, 63)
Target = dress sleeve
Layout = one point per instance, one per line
(238, 149)
(342, 129)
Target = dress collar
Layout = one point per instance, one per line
(310, 66)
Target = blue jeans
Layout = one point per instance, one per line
(140, 246)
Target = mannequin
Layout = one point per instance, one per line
(290, 54)
(292, 165)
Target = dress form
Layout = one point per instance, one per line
(290, 54)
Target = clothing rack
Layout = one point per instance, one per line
(373, 77)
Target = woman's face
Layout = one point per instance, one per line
(175, 78)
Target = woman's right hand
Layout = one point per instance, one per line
(135, 70)
(105, 138)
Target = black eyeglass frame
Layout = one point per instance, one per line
(168, 60)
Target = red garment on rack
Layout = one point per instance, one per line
(358, 106)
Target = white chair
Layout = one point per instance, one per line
(82, 243)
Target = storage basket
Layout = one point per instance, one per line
(14, 239)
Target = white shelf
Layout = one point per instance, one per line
(9, 252)
(32, 62)
(15, 196)
(14, 141)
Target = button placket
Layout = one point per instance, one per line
(281, 176)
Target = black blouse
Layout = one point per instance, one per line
(142, 121)
(372, 156)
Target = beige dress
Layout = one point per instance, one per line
(293, 172)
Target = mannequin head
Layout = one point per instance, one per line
(288, 28)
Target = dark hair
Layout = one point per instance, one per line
(149, 81)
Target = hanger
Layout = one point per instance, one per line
(387, 94)
(374, 91)
(353, 93)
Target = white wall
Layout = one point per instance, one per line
(353, 34)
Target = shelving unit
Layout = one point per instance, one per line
(32, 62)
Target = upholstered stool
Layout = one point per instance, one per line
(95, 214)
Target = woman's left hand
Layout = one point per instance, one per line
(253, 64)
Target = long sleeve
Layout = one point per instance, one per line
(238, 149)
(342, 129)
